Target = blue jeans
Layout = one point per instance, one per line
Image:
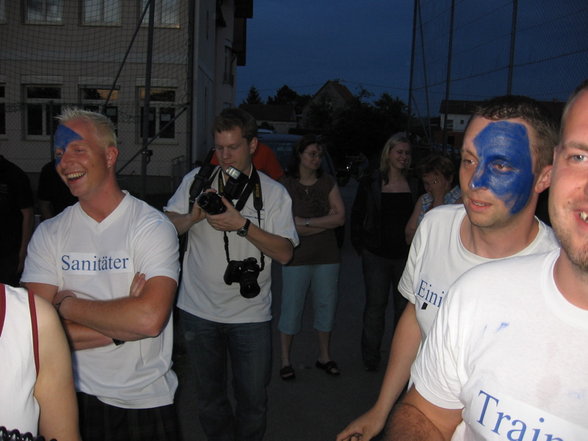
(249, 346)
(381, 276)
(323, 281)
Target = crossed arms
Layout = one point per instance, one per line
(142, 313)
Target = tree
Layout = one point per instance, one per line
(364, 126)
(253, 96)
(319, 116)
(285, 95)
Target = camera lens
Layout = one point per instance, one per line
(250, 290)
(211, 203)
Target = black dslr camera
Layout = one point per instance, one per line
(244, 272)
(211, 202)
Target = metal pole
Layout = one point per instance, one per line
(513, 36)
(425, 75)
(146, 100)
(410, 81)
(124, 60)
(448, 79)
(51, 130)
(191, 78)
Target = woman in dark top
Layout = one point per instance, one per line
(382, 206)
(318, 209)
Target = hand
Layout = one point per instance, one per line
(363, 428)
(60, 297)
(230, 220)
(197, 213)
(137, 285)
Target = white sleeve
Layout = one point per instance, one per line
(40, 264)
(406, 284)
(278, 216)
(436, 372)
(179, 202)
(156, 249)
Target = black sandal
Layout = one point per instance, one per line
(287, 373)
(330, 367)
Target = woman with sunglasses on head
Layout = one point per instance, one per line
(382, 206)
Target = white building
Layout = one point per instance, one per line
(94, 53)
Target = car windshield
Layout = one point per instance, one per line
(283, 146)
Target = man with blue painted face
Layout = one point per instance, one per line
(109, 265)
(506, 357)
(507, 146)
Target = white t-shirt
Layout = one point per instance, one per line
(511, 350)
(18, 406)
(98, 260)
(203, 292)
(437, 258)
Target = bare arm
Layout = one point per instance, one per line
(85, 337)
(416, 419)
(277, 247)
(133, 317)
(403, 351)
(92, 323)
(54, 388)
(183, 222)
(335, 218)
(412, 224)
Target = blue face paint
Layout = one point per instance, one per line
(505, 165)
(63, 137)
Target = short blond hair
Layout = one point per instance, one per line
(103, 124)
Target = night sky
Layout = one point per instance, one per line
(304, 43)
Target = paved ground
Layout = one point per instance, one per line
(314, 406)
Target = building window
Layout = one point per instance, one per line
(167, 13)
(94, 99)
(101, 12)
(42, 106)
(162, 112)
(449, 124)
(44, 11)
(2, 109)
(228, 77)
(2, 11)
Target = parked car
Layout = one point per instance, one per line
(283, 146)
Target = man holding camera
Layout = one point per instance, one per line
(225, 298)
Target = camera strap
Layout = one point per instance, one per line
(202, 180)
(253, 186)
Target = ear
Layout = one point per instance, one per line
(253, 145)
(111, 156)
(544, 179)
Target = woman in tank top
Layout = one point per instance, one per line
(382, 206)
(318, 209)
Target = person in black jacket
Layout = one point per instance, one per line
(382, 206)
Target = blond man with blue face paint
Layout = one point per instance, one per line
(109, 265)
(507, 146)
(506, 357)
